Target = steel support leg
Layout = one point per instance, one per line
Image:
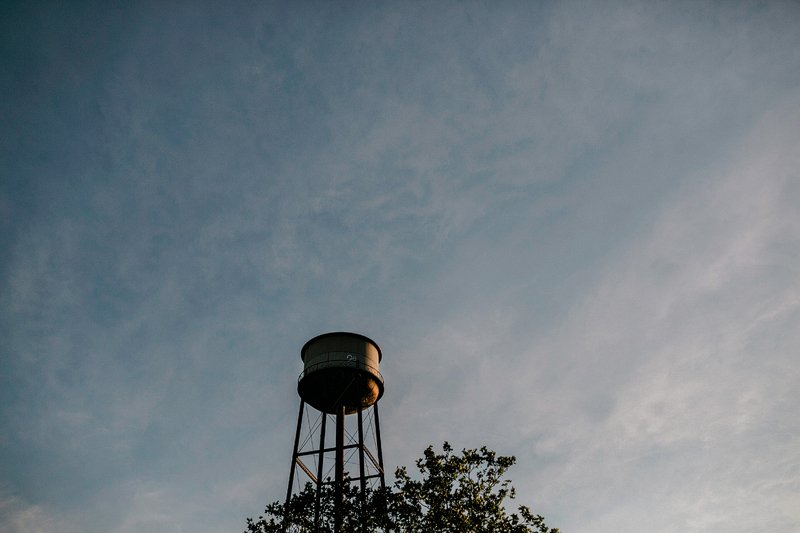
(294, 461)
(362, 510)
(378, 442)
(320, 470)
(339, 490)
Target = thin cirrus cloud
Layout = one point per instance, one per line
(572, 230)
(691, 336)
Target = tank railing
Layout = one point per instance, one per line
(340, 359)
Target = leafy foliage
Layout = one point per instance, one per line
(454, 493)
(458, 494)
(299, 514)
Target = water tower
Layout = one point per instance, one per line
(340, 377)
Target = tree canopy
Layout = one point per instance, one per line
(463, 492)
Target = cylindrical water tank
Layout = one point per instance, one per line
(340, 369)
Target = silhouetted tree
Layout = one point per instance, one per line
(454, 493)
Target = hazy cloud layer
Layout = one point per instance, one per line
(572, 228)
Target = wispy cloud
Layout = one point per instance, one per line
(690, 339)
(17, 516)
(571, 228)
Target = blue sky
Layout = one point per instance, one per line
(571, 227)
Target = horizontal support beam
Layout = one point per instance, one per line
(313, 452)
(351, 479)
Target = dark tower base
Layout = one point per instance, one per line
(317, 457)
